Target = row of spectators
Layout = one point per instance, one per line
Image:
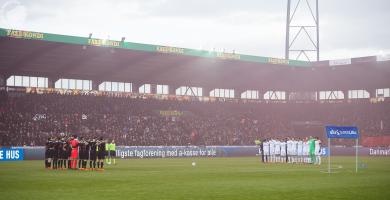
(29, 119)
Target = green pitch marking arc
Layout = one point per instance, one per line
(146, 47)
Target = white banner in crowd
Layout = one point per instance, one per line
(340, 62)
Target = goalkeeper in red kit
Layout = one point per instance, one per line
(74, 143)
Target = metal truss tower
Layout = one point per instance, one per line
(307, 32)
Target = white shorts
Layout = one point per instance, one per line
(271, 152)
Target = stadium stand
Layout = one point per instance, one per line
(297, 109)
(28, 119)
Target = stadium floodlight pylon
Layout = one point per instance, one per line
(302, 30)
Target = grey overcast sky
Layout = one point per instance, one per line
(348, 28)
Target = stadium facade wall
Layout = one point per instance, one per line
(128, 152)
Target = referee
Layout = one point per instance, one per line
(112, 152)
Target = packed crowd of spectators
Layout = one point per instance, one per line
(29, 119)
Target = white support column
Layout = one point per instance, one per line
(357, 150)
(329, 155)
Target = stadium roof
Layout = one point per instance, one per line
(60, 56)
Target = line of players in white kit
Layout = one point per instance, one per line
(291, 150)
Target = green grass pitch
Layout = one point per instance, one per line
(211, 178)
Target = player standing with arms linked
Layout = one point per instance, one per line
(317, 149)
(91, 148)
(74, 143)
(101, 150)
(83, 153)
(266, 150)
(312, 150)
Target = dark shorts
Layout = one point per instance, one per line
(67, 154)
(64, 155)
(112, 153)
(55, 155)
(101, 155)
(50, 154)
(83, 155)
(92, 155)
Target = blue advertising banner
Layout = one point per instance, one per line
(325, 151)
(351, 132)
(38, 153)
(11, 154)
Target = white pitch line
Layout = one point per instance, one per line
(284, 170)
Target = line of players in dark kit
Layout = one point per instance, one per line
(74, 153)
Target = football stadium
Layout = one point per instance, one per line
(92, 118)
